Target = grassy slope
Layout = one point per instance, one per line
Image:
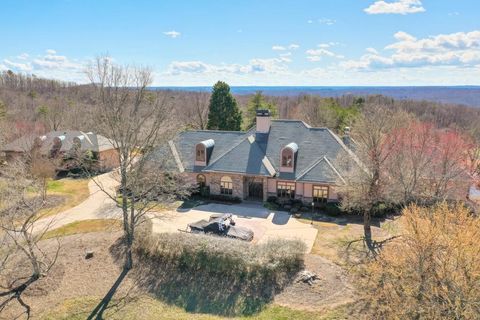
(85, 226)
(75, 191)
(147, 308)
(332, 238)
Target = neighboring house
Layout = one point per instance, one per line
(287, 159)
(63, 144)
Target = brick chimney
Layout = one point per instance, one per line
(263, 121)
(346, 137)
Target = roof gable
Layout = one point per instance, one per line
(246, 157)
(321, 171)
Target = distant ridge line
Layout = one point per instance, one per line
(463, 94)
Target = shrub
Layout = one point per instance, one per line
(382, 209)
(205, 191)
(272, 199)
(213, 274)
(224, 198)
(330, 208)
(431, 272)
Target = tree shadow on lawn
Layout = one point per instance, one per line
(97, 313)
(206, 291)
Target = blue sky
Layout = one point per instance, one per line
(295, 42)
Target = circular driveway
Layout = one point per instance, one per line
(265, 224)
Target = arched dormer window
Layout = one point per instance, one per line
(203, 150)
(200, 153)
(287, 157)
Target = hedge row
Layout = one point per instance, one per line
(217, 275)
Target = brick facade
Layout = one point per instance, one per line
(240, 187)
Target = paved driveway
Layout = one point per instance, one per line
(265, 224)
(97, 206)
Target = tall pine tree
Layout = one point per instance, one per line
(224, 113)
(258, 102)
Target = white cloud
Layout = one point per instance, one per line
(328, 45)
(172, 34)
(292, 46)
(309, 21)
(22, 67)
(327, 21)
(53, 61)
(460, 49)
(395, 7)
(50, 65)
(23, 56)
(317, 54)
(372, 50)
(257, 65)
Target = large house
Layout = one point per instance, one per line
(287, 159)
(60, 144)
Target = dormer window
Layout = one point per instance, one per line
(287, 157)
(203, 151)
(200, 153)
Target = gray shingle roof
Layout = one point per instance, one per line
(244, 152)
(186, 141)
(321, 171)
(251, 157)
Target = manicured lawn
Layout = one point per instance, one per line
(332, 238)
(74, 192)
(148, 308)
(84, 226)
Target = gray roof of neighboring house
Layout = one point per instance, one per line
(89, 141)
(259, 154)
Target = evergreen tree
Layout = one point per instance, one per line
(224, 113)
(258, 102)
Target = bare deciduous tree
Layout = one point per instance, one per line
(367, 186)
(196, 109)
(22, 261)
(136, 121)
(429, 164)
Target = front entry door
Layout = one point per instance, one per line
(255, 189)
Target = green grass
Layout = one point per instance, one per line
(55, 186)
(148, 308)
(84, 226)
(74, 191)
(332, 239)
